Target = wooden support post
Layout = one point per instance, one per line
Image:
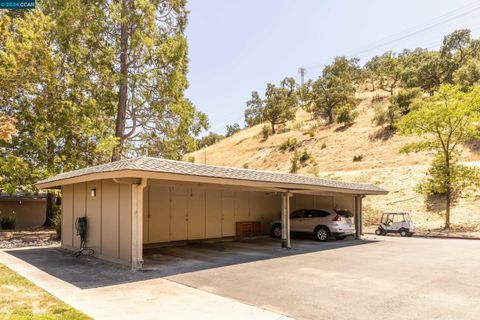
(358, 217)
(137, 224)
(287, 208)
(284, 220)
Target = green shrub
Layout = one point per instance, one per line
(245, 165)
(298, 125)
(346, 115)
(304, 156)
(400, 106)
(404, 99)
(294, 163)
(8, 222)
(290, 144)
(324, 145)
(57, 221)
(191, 159)
(298, 160)
(358, 158)
(265, 132)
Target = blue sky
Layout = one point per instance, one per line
(237, 46)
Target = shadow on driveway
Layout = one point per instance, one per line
(91, 272)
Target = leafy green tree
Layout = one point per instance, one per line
(232, 129)
(454, 180)
(254, 111)
(457, 49)
(385, 70)
(468, 74)
(209, 139)
(334, 90)
(138, 53)
(423, 69)
(61, 125)
(443, 122)
(278, 106)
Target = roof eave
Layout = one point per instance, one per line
(130, 173)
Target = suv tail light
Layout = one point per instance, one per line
(337, 218)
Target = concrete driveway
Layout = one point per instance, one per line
(391, 277)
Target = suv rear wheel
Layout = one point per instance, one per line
(276, 230)
(322, 233)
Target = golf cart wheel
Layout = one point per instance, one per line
(384, 232)
(379, 232)
(403, 232)
(340, 237)
(276, 230)
(322, 234)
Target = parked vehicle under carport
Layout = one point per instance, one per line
(323, 223)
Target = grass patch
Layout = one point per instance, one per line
(290, 144)
(20, 299)
(299, 159)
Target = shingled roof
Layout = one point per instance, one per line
(157, 165)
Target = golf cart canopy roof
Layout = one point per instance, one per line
(395, 212)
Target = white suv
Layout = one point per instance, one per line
(324, 223)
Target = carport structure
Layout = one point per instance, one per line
(144, 201)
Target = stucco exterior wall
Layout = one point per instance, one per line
(108, 218)
(30, 213)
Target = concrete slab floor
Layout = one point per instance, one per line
(108, 291)
(394, 278)
(384, 277)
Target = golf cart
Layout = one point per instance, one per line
(395, 222)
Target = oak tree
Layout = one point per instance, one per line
(443, 122)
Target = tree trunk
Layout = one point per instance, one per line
(330, 116)
(273, 127)
(49, 211)
(448, 196)
(123, 86)
(447, 210)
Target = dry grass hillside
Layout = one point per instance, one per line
(333, 148)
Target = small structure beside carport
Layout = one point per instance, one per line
(29, 209)
(143, 201)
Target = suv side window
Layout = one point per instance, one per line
(322, 214)
(316, 214)
(297, 214)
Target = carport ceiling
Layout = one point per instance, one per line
(162, 169)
